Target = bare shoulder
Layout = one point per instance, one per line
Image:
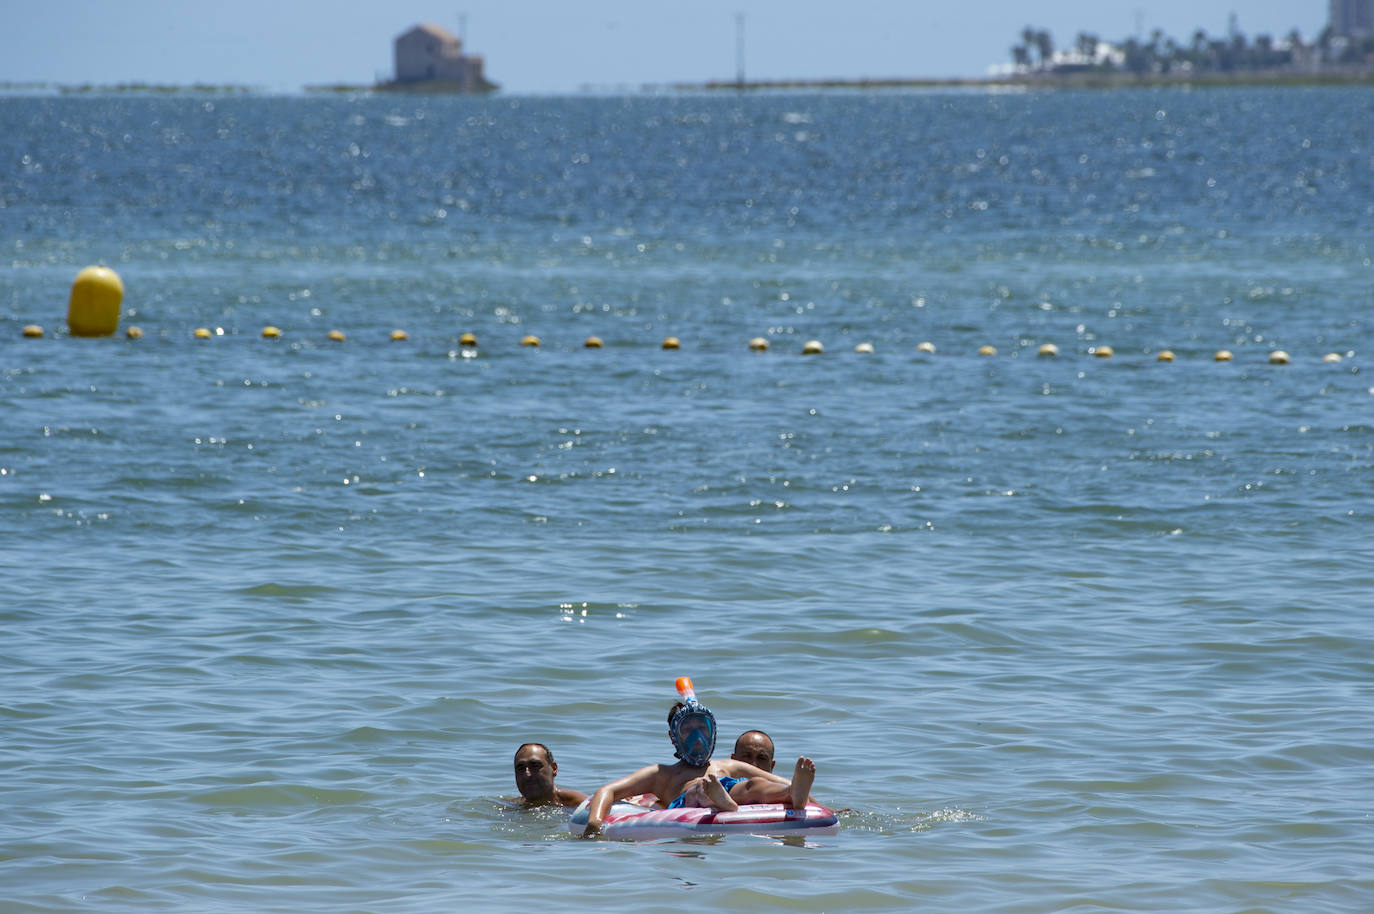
(668, 780)
(645, 780)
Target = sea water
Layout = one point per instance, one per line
(1074, 631)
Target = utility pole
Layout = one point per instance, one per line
(739, 50)
(466, 71)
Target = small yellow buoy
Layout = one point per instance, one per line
(672, 342)
(987, 350)
(337, 336)
(134, 333)
(529, 340)
(758, 344)
(927, 347)
(1047, 351)
(1165, 355)
(33, 331)
(1331, 357)
(202, 333)
(866, 348)
(93, 309)
(593, 342)
(1278, 357)
(399, 336)
(270, 332)
(1223, 355)
(1103, 352)
(812, 347)
(468, 339)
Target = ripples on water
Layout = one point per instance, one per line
(1059, 632)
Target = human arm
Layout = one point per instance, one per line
(761, 786)
(737, 769)
(645, 780)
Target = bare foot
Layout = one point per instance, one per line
(715, 792)
(803, 776)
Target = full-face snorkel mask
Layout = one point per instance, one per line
(693, 727)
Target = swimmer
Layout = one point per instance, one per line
(692, 729)
(535, 771)
(756, 748)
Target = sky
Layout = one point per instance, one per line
(568, 46)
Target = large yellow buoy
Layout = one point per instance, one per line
(1278, 357)
(593, 342)
(337, 336)
(468, 339)
(758, 344)
(1165, 355)
(812, 347)
(672, 342)
(1103, 352)
(1047, 351)
(399, 336)
(33, 331)
(1223, 355)
(94, 306)
(987, 350)
(201, 333)
(271, 332)
(529, 340)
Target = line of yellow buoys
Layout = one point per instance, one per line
(93, 310)
(757, 344)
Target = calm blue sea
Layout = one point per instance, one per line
(1075, 632)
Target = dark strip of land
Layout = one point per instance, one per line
(1345, 76)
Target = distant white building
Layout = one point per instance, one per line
(429, 53)
(1352, 18)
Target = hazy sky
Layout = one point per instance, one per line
(536, 46)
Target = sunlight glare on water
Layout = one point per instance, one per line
(1058, 631)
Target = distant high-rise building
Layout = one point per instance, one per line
(1352, 17)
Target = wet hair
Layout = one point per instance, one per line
(548, 753)
(677, 706)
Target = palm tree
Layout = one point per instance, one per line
(1028, 38)
(1199, 44)
(1045, 44)
(1170, 56)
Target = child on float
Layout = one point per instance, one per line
(692, 729)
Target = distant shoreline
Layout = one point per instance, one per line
(1328, 77)
(130, 88)
(1350, 76)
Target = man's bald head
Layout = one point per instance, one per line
(756, 748)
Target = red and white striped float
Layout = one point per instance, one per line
(640, 818)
